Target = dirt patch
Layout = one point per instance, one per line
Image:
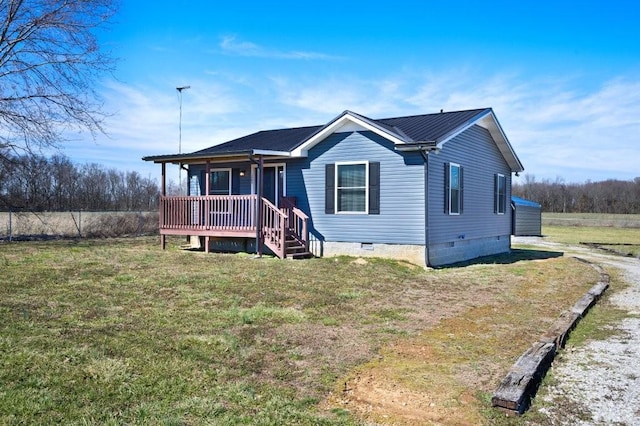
(306, 346)
(374, 396)
(377, 395)
(469, 338)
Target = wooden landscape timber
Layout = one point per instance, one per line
(516, 390)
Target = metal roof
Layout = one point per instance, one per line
(274, 140)
(431, 127)
(438, 128)
(522, 202)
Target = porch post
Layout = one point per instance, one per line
(207, 206)
(163, 193)
(259, 236)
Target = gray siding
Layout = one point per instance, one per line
(480, 158)
(401, 218)
(240, 185)
(478, 231)
(527, 220)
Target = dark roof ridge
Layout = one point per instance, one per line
(287, 128)
(433, 113)
(348, 111)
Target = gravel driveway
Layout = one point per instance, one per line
(601, 380)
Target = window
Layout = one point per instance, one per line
(352, 187)
(220, 182)
(453, 188)
(500, 194)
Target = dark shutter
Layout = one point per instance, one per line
(496, 192)
(461, 189)
(329, 189)
(374, 188)
(235, 182)
(447, 187)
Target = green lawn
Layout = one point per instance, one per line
(119, 331)
(618, 233)
(592, 220)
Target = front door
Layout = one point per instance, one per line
(274, 180)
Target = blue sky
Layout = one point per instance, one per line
(563, 77)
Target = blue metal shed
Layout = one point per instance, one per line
(527, 217)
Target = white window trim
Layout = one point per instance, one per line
(500, 175)
(366, 183)
(229, 170)
(451, 166)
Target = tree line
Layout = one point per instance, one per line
(608, 196)
(39, 183)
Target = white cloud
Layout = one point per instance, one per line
(231, 45)
(148, 117)
(144, 121)
(329, 98)
(556, 128)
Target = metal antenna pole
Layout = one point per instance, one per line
(180, 89)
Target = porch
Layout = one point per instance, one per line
(283, 229)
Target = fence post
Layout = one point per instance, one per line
(140, 224)
(80, 223)
(10, 225)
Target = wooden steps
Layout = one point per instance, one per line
(295, 249)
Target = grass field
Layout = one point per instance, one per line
(618, 233)
(119, 331)
(34, 225)
(592, 220)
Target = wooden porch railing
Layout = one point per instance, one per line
(235, 215)
(230, 213)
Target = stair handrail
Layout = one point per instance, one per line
(296, 221)
(301, 233)
(274, 228)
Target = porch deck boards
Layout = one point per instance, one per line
(237, 233)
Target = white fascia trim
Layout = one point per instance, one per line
(492, 124)
(456, 132)
(271, 153)
(489, 121)
(303, 150)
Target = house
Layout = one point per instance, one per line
(527, 217)
(430, 189)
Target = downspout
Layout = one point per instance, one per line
(425, 156)
(424, 147)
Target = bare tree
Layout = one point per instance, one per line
(50, 62)
(609, 196)
(38, 183)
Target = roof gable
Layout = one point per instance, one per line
(428, 131)
(342, 121)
